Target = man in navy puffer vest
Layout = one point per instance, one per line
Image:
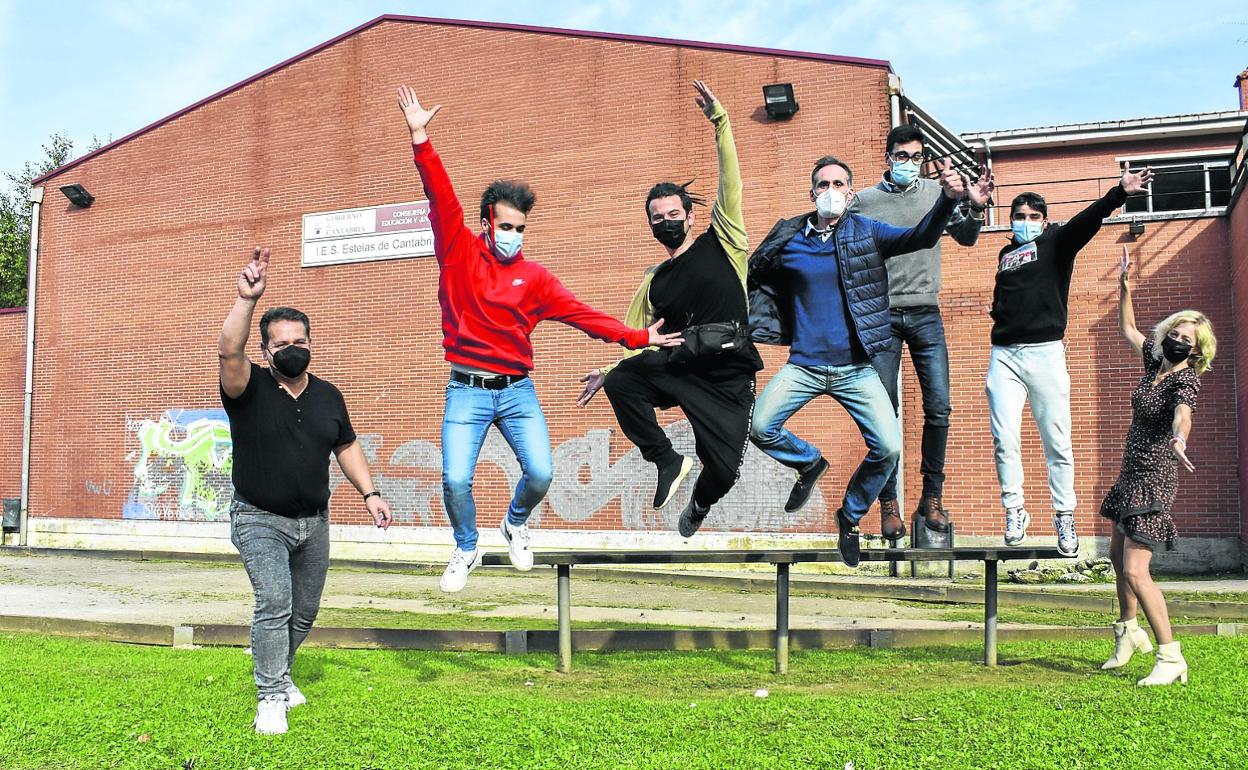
(818, 284)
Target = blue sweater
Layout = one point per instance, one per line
(822, 324)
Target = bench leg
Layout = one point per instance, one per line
(990, 612)
(565, 618)
(782, 618)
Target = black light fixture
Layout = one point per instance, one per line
(78, 195)
(1137, 228)
(779, 101)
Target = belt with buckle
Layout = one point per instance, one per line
(497, 382)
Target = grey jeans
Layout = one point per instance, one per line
(286, 559)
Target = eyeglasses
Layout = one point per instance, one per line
(901, 156)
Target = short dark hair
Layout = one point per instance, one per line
(829, 160)
(518, 195)
(903, 135)
(282, 314)
(1035, 200)
(666, 189)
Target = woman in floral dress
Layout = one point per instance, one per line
(1139, 503)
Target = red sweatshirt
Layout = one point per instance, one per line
(489, 308)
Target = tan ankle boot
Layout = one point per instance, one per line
(1129, 638)
(1170, 666)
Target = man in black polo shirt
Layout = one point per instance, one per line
(284, 423)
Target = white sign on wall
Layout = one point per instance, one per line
(394, 231)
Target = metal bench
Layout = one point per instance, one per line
(563, 562)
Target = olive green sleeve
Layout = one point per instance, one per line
(726, 216)
(640, 315)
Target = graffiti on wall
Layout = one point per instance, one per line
(181, 464)
(586, 481)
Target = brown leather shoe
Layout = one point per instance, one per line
(934, 515)
(892, 526)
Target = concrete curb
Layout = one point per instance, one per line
(525, 641)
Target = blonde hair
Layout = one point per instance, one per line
(1205, 341)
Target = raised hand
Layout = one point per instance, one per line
(1135, 181)
(663, 340)
(593, 383)
(1125, 264)
(950, 180)
(417, 117)
(251, 281)
(705, 99)
(980, 191)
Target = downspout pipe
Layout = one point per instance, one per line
(36, 204)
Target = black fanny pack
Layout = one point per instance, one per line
(708, 340)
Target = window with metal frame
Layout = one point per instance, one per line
(1186, 184)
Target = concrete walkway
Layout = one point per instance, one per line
(167, 592)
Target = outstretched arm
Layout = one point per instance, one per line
(446, 215)
(892, 241)
(233, 364)
(1180, 429)
(1126, 312)
(1081, 228)
(963, 228)
(559, 304)
(726, 216)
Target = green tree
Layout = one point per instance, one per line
(15, 216)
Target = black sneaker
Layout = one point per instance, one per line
(805, 484)
(670, 476)
(691, 519)
(847, 539)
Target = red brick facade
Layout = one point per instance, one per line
(133, 290)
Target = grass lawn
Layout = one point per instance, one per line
(79, 704)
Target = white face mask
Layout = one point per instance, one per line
(1026, 230)
(507, 244)
(830, 203)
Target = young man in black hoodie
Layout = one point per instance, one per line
(1029, 313)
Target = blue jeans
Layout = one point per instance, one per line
(286, 560)
(469, 414)
(923, 331)
(856, 387)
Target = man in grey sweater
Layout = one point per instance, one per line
(901, 199)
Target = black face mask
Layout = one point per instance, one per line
(292, 360)
(669, 232)
(1175, 351)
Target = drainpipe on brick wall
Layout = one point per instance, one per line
(894, 101)
(36, 203)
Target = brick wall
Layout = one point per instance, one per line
(135, 288)
(12, 399)
(1239, 281)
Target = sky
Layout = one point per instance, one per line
(106, 68)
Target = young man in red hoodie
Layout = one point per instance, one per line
(491, 299)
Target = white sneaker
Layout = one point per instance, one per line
(1016, 521)
(1067, 540)
(271, 715)
(295, 697)
(456, 575)
(517, 544)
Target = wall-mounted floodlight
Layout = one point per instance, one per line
(779, 101)
(78, 195)
(1136, 229)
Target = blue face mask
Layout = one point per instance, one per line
(903, 174)
(507, 244)
(1026, 230)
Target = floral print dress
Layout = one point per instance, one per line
(1140, 501)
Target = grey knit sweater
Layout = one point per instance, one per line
(914, 278)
